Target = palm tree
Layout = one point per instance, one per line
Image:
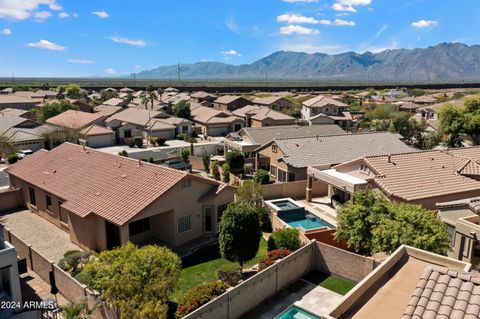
(145, 100)
(160, 92)
(152, 96)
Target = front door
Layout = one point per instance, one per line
(113, 235)
(208, 219)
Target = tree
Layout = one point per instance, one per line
(136, 281)
(240, 233)
(107, 95)
(373, 224)
(152, 97)
(226, 173)
(53, 109)
(77, 311)
(59, 135)
(215, 170)
(250, 193)
(184, 154)
(286, 238)
(206, 162)
(182, 109)
(455, 121)
(123, 153)
(261, 177)
(73, 91)
(236, 161)
(145, 100)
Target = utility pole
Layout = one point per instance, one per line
(13, 78)
(134, 79)
(178, 72)
(266, 75)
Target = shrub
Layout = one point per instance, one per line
(271, 257)
(184, 155)
(226, 173)
(153, 140)
(261, 177)
(206, 162)
(286, 238)
(198, 296)
(12, 158)
(161, 141)
(84, 278)
(182, 136)
(264, 216)
(130, 142)
(236, 161)
(215, 170)
(123, 153)
(230, 273)
(138, 141)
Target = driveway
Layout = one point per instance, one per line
(48, 239)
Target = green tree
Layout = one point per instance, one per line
(236, 161)
(184, 155)
(226, 173)
(182, 109)
(152, 97)
(53, 109)
(206, 162)
(215, 170)
(59, 135)
(455, 121)
(261, 177)
(286, 238)
(136, 281)
(145, 99)
(107, 95)
(240, 233)
(6, 146)
(77, 311)
(73, 91)
(250, 193)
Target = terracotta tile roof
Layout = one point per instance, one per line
(201, 95)
(227, 99)
(94, 130)
(107, 110)
(12, 112)
(262, 113)
(445, 294)
(17, 99)
(114, 187)
(267, 100)
(113, 102)
(134, 116)
(74, 119)
(207, 115)
(419, 175)
(323, 100)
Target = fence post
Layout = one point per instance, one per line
(30, 256)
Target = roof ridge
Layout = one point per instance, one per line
(333, 135)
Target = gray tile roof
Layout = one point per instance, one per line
(336, 149)
(12, 121)
(445, 294)
(263, 135)
(471, 203)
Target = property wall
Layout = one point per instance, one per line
(326, 237)
(11, 199)
(196, 162)
(295, 189)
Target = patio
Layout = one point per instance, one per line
(322, 207)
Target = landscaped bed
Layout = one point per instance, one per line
(202, 267)
(330, 282)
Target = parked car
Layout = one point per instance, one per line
(22, 154)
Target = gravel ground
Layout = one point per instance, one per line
(48, 239)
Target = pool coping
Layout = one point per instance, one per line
(298, 307)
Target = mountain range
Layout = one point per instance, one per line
(446, 62)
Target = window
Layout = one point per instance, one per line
(291, 177)
(63, 213)
(184, 129)
(273, 170)
(139, 226)
(282, 176)
(326, 109)
(127, 133)
(186, 183)
(49, 202)
(451, 233)
(274, 148)
(31, 192)
(184, 224)
(237, 127)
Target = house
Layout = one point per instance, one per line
(409, 107)
(10, 290)
(202, 97)
(276, 103)
(424, 178)
(462, 218)
(18, 102)
(22, 133)
(96, 136)
(413, 284)
(114, 102)
(424, 100)
(8, 112)
(81, 105)
(126, 90)
(77, 120)
(105, 200)
(230, 103)
(211, 122)
(287, 159)
(248, 139)
(325, 110)
(107, 110)
(258, 116)
(172, 100)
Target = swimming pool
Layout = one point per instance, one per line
(285, 204)
(296, 216)
(296, 313)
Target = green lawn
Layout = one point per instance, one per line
(330, 282)
(202, 267)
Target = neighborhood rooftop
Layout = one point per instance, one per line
(74, 119)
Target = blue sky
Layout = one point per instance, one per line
(117, 37)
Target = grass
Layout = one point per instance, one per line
(202, 266)
(330, 282)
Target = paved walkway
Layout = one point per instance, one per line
(313, 298)
(48, 239)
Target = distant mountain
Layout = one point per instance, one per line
(446, 62)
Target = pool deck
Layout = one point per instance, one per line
(320, 207)
(305, 295)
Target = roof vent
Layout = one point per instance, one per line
(98, 193)
(124, 175)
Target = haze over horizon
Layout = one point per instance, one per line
(56, 38)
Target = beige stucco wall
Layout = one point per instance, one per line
(101, 140)
(300, 173)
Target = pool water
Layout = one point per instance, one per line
(285, 204)
(302, 218)
(296, 313)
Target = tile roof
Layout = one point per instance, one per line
(263, 135)
(16, 99)
(107, 110)
(94, 130)
(113, 102)
(74, 119)
(335, 149)
(267, 100)
(134, 116)
(207, 115)
(7, 123)
(12, 112)
(419, 175)
(23, 134)
(201, 95)
(323, 100)
(445, 294)
(262, 113)
(472, 203)
(226, 99)
(114, 187)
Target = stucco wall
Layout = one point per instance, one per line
(295, 189)
(11, 199)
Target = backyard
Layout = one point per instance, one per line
(330, 282)
(202, 267)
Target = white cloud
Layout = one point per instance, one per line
(41, 16)
(349, 5)
(23, 9)
(424, 24)
(110, 71)
(231, 24)
(297, 29)
(6, 31)
(298, 18)
(63, 15)
(101, 14)
(345, 23)
(79, 61)
(134, 42)
(297, 1)
(46, 45)
(230, 53)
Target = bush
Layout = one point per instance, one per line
(215, 170)
(261, 177)
(226, 173)
(286, 238)
(236, 161)
(182, 136)
(123, 153)
(130, 142)
(153, 140)
(138, 141)
(74, 261)
(271, 257)
(206, 162)
(161, 141)
(230, 274)
(184, 155)
(84, 277)
(264, 216)
(12, 158)
(198, 296)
